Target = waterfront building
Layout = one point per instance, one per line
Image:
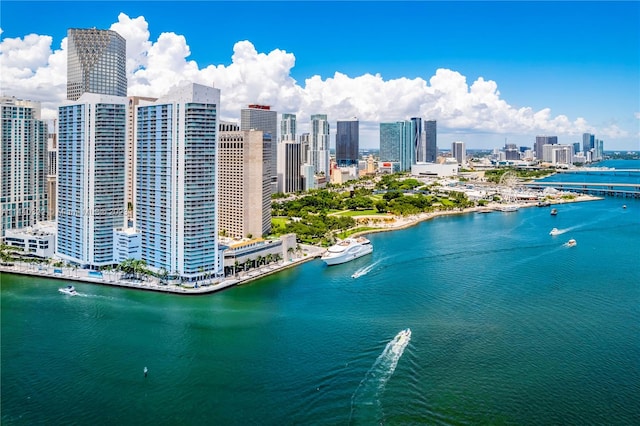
(130, 160)
(91, 177)
(347, 142)
(38, 240)
(319, 144)
(240, 255)
(576, 148)
(96, 63)
(52, 172)
(459, 152)
(540, 142)
(23, 152)
(126, 245)
(396, 144)
(245, 195)
(446, 169)
(431, 141)
(262, 117)
(176, 206)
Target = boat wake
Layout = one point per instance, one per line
(365, 402)
(365, 270)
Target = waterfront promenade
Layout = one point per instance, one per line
(150, 283)
(308, 252)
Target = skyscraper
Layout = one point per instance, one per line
(347, 143)
(96, 63)
(23, 152)
(541, 141)
(459, 152)
(130, 160)
(397, 143)
(245, 200)
(319, 144)
(91, 177)
(288, 127)
(431, 141)
(417, 139)
(262, 117)
(176, 204)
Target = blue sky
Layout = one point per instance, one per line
(579, 60)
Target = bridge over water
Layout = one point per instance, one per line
(612, 189)
(595, 171)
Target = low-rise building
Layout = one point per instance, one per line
(126, 245)
(38, 240)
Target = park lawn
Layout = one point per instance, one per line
(279, 221)
(351, 213)
(347, 233)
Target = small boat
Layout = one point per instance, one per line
(554, 231)
(70, 290)
(509, 208)
(624, 206)
(145, 371)
(554, 212)
(571, 243)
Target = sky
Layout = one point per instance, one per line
(487, 72)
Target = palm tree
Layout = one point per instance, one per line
(289, 251)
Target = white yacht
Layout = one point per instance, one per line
(70, 290)
(571, 243)
(555, 231)
(346, 250)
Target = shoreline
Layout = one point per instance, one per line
(152, 283)
(409, 221)
(311, 252)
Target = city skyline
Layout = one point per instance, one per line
(487, 75)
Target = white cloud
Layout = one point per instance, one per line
(32, 70)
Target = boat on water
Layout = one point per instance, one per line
(70, 290)
(554, 231)
(509, 208)
(554, 212)
(571, 243)
(403, 337)
(347, 250)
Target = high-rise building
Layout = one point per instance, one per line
(288, 127)
(262, 117)
(288, 163)
(305, 155)
(319, 144)
(23, 151)
(91, 177)
(130, 161)
(417, 139)
(289, 179)
(588, 142)
(52, 171)
(245, 197)
(541, 141)
(397, 144)
(96, 63)
(431, 141)
(459, 152)
(176, 205)
(347, 142)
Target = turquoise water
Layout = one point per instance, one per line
(509, 326)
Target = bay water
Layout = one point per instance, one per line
(509, 326)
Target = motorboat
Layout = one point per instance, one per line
(555, 231)
(70, 290)
(509, 208)
(403, 337)
(571, 243)
(347, 250)
(554, 212)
